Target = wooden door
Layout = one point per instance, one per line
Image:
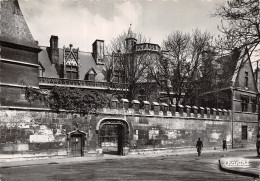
(76, 146)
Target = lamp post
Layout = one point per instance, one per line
(232, 117)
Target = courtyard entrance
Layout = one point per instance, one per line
(113, 136)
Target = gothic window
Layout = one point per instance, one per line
(71, 72)
(244, 103)
(246, 79)
(119, 76)
(254, 103)
(244, 132)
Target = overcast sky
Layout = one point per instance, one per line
(81, 22)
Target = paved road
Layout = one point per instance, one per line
(177, 168)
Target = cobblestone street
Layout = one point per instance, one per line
(182, 167)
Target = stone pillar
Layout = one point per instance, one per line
(214, 113)
(208, 112)
(164, 108)
(181, 110)
(225, 113)
(114, 104)
(156, 108)
(147, 106)
(195, 111)
(229, 114)
(124, 104)
(136, 106)
(220, 113)
(173, 109)
(188, 110)
(202, 112)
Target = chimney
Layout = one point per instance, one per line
(54, 50)
(98, 51)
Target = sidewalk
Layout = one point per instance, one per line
(65, 159)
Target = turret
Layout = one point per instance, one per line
(130, 40)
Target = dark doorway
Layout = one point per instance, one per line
(76, 143)
(112, 138)
(76, 146)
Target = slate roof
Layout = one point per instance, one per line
(86, 62)
(49, 69)
(229, 64)
(13, 28)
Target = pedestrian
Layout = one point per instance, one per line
(199, 146)
(258, 145)
(224, 144)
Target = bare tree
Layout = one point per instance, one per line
(125, 65)
(177, 70)
(240, 24)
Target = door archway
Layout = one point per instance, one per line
(113, 135)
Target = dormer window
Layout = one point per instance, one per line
(41, 70)
(71, 63)
(71, 72)
(91, 75)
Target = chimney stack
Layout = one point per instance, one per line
(98, 51)
(54, 50)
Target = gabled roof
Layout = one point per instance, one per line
(86, 63)
(93, 70)
(243, 60)
(13, 28)
(243, 57)
(231, 67)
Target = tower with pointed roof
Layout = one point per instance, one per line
(18, 56)
(130, 40)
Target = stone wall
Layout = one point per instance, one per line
(34, 130)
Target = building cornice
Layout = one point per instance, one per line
(19, 62)
(21, 47)
(16, 85)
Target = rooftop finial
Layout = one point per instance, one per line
(130, 33)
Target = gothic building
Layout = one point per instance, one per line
(26, 128)
(19, 65)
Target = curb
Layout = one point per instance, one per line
(244, 172)
(238, 172)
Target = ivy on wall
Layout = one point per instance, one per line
(71, 99)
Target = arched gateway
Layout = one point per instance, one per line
(113, 135)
